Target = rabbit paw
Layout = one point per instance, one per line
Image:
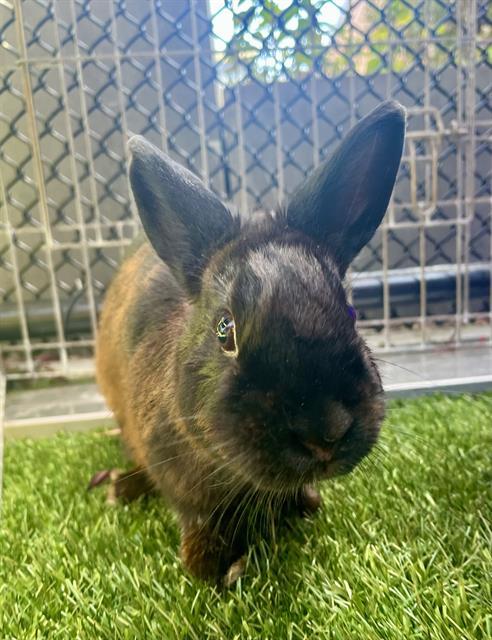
(234, 572)
(309, 500)
(124, 486)
(210, 557)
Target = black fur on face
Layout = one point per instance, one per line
(302, 399)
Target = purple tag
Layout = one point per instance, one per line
(352, 312)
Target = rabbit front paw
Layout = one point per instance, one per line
(124, 486)
(211, 557)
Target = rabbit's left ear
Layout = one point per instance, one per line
(184, 221)
(343, 202)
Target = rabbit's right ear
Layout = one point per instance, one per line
(184, 221)
(343, 202)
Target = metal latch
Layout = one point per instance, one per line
(424, 148)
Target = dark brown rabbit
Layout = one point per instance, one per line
(228, 351)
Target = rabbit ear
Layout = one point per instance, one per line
(343, 202)
(184, 221)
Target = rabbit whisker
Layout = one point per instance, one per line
(399, 366)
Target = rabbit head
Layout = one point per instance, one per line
(271, 365)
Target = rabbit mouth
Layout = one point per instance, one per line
(295, 462)
(316, 461)
(312, 461)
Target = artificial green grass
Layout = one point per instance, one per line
(401, 549)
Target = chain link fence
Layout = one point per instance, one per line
(250, 96)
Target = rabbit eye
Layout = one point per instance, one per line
(352, 312)
(226, 334)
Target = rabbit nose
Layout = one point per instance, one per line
(339, 421)
(325, 455)
(319, 435)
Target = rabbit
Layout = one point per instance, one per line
(228, 351)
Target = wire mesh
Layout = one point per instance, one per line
(250, 96)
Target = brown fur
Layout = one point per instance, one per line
(209, 545)
(137, 383)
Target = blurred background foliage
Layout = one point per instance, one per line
(276, 39)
